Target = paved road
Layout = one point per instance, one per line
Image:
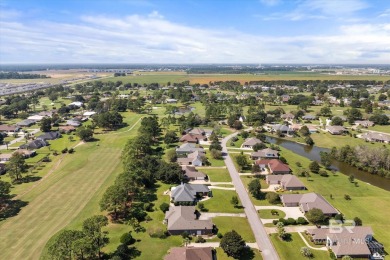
(262, 238)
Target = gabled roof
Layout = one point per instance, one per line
(190, 253)
(309, 201)
(287, 180)
(188, 147)
(184, 218)
(191, 138)
(191, 172)
(187, 192)
(277, 166)
(252, 141)
(267, 152)
(50, 135)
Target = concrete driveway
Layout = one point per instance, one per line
(206, 215)
(291, 212)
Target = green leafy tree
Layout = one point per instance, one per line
(5, 189)
(309, 141)
(282, 234)
(316, 216)
(170, 137)
(164, 207)
(358, 221)
(314, 167)
(45, 124)
(233, 244)
(114, 200)
(16, 167)
(272, 197)
(234, 201)
(254, 188)
(84, 133)
(63, 246)
(242, 161)
(304, 131)
(337, 121)
(92, 228)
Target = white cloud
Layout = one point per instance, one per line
(321, 9)
(154, 39)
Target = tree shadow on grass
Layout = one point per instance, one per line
(12, 209)
(247, 254)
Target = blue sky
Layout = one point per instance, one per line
(195, 31)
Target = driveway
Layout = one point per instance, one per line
(206, 215)
(291, 212)
(262, 239)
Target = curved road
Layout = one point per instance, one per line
(262, 239)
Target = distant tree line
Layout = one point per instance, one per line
(372, 160)
(16, 75)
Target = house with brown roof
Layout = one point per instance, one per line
(192, 138)
(180, 219)
(275, 166)
(353, 241)
(250, 142)
(287, 116)
(66, 129)
(26, 153)
(307, 202)
(364, 123)
(335, 129)
(287, 181)
(190, 253)
(9, 128)
(192, 174)
(201, 131)
(5, 157)
(195, 159)
(266, 153)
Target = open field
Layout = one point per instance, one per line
(368, 202)
(68, 196)
(291, 249)
(177, 77)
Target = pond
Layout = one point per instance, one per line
(313, 153)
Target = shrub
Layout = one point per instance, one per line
(148, 218)
(219, 235)
(274, 212)
(71, 150)
(302, 221)
(347, 197)
(275, 221)
(64, 150)
(164, 207)
(200, 239)
(291, 221)
(272, 198)
(282, 159)
(148, 207)
(185, 234)
(127, 239)
(157, 233)
(323, 173)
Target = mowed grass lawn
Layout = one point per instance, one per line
(291, 249)
(66, 197)
(267, 214)
(239, 224)
(368, 202)
(221, 255)
(217, 175)
(220, 202)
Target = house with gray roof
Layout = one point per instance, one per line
(250, 142)
(284, 129)
(26, 123)
(188, 193)
(309, 117)
(50, 136)
(336, 129)
(188, 148)
(266, 153)
(376, 137)
(307, 202)
(35, 144)
(180, 219)
(195, 159)
(287, 181)
(354, 241)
